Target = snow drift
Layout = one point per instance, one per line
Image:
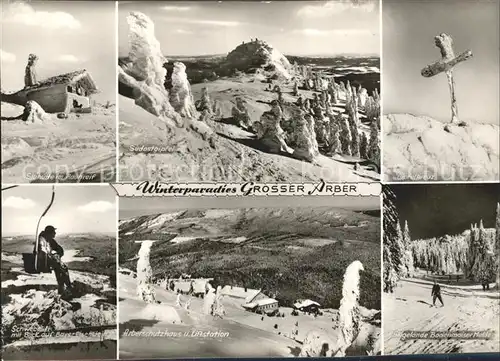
(418, 148)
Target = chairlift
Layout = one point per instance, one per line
(37, 262)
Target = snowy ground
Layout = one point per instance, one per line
(35, 320)
(237, 155)
(246, 334)
(81, 145)
(418, 148)
(466, 308)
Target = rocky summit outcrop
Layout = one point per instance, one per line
(259, 54)
(143, 75)
(418, 148)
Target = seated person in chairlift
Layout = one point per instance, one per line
(54, 252)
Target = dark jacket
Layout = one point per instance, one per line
(54, 246)
(436, 290)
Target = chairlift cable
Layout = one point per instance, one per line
(38, 225)
(10, 187)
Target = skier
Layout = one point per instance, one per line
(53, 251)
(436, 294)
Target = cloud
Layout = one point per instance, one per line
(24, 14)
(67, 58)
(18, 203)
(336, 7)
(97, 207)
(204, 22)
(176, 8)
(337, 32)
(7, 57)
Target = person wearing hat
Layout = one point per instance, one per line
(53, 251)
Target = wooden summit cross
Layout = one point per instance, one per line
(448, 60)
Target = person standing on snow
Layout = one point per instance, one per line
(53, 251)
(436, 294)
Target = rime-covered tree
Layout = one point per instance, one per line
(406, 236)
(345, 137)
(332, 89)
(342, 86)
(392, 240)
(374, 144)
(204, 103)
(372, 110)
(355, 152)
(363, 146)
(408, 254)
(443, 255)
(481, 265)
(390, 276)
(334, 138)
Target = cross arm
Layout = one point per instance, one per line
(444, 65)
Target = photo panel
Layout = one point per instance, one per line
(441, 62)
(58, 91)
(240, 91)
(440, 267)
(277, 277)
(59, 255)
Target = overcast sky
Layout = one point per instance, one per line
(409, 28)
(292, 27)
(76, 209)
(132, 207)
(66, 36)
(434, 210)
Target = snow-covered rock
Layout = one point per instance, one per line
(420, 149)
(38, 310)
(259, 54)
(34, 113)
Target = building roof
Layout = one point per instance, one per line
(263, 302)
(68, 78)
(239, 292)
(305, 303)
(266, 301)
(198, 285)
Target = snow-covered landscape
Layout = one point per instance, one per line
(38, 323)
(441, 293)
(246, 277)
(418, 148)
(440, 121)
(80, 148)
(58, 95)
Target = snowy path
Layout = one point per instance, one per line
(410, 309)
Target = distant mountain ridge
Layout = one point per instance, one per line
(294, 252)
